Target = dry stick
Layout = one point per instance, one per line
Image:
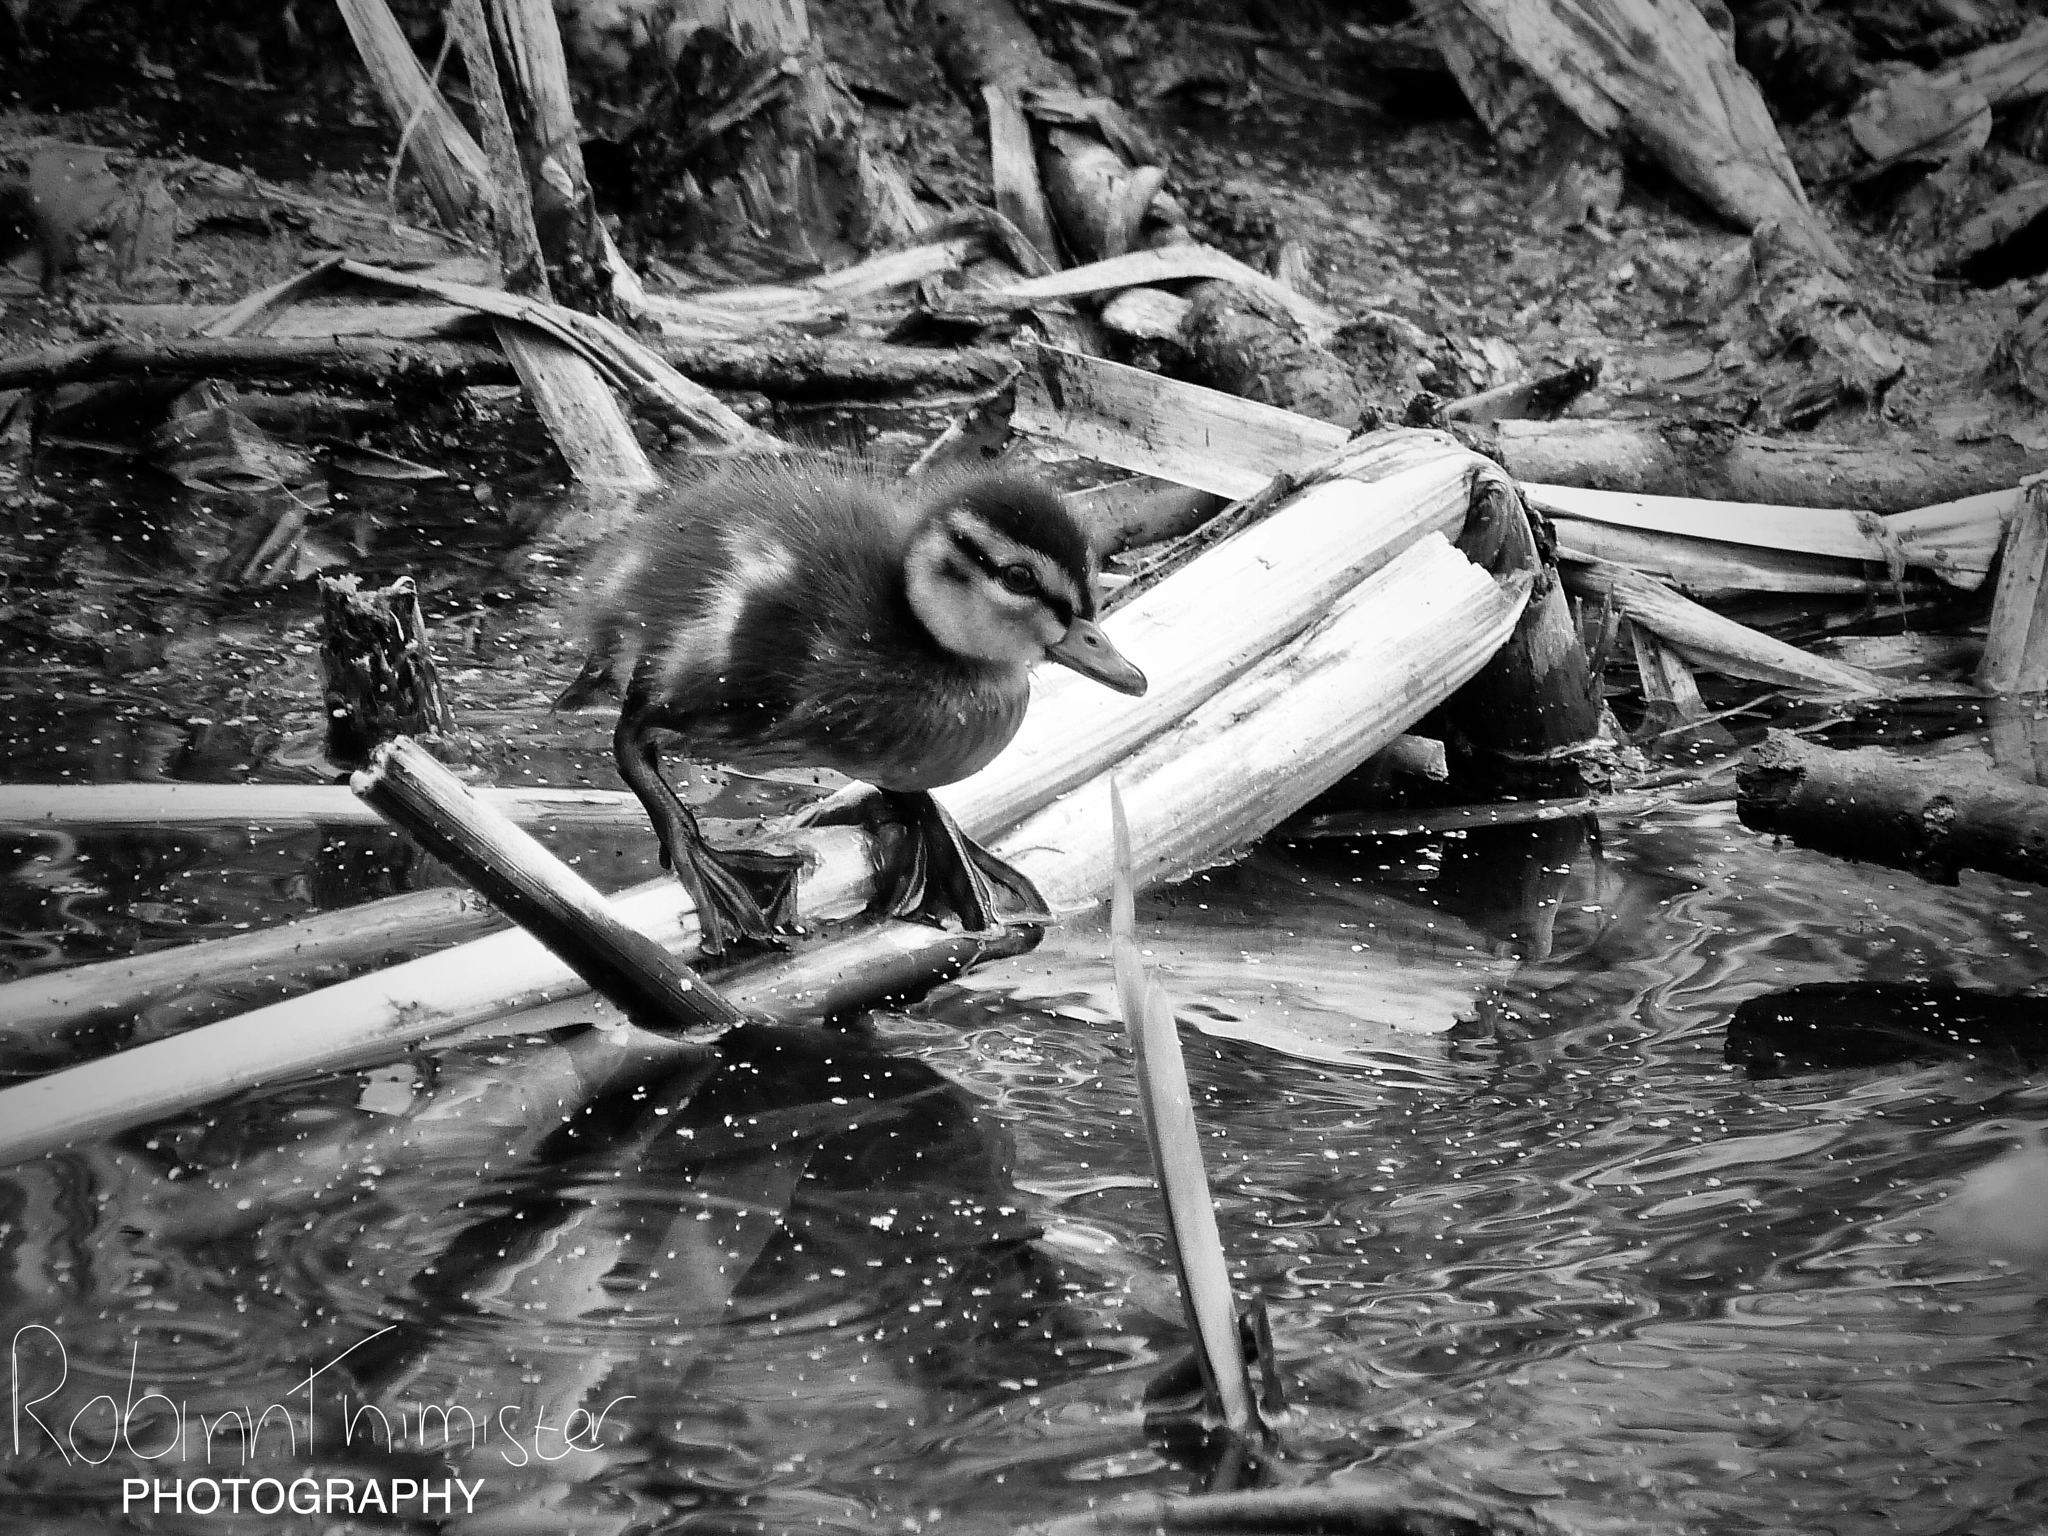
(538, 891)
(39, 1013)
(1931, 817)
(413, 122)
(284, 807)
(1254, 744)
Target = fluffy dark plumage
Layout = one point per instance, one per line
(761, 614)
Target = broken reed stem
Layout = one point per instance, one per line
(538, 891)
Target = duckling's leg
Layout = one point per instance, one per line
(941, 871)
(726, 909)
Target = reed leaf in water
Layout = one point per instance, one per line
(1177, 1152)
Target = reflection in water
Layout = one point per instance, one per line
(1552, 1249)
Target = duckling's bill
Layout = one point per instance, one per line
(1087, 650)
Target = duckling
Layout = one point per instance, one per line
(799, 612)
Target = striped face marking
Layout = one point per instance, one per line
(985, 595)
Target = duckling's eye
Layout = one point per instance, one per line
(1018, 578)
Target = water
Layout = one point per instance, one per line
(1523, 1234)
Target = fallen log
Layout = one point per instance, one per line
(1723, 464)
(1246, 343)
(324, 343)
(360, 362)
(1933, 817)
(1257, 736)
(1960, 557)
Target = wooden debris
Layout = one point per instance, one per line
(377, 669)
(1176, 263)
(533, 92)
(1930, 540)
(1534, 710)
(1019, 197)
(1541, 397)
(1180, 432)
(1671, 697)
(190, 984)
(780, 363)
(763, 137)
(1254, 744)
(539, 892)
(450, 164)
(1713, 568)
(1246, 343)
(1142, 510)
(2016, 645)
(1725, 464)
(1656, 68)
(365, 362)
(520, 258)
(624, 362)
(1933, 817)
(1706, 639)
(282, 807)
(1361, 1505)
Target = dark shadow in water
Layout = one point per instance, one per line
(1870, 1024)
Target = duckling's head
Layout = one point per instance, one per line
(998, 571)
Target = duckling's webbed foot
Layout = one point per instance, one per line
(941, 872)
(727, 909)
